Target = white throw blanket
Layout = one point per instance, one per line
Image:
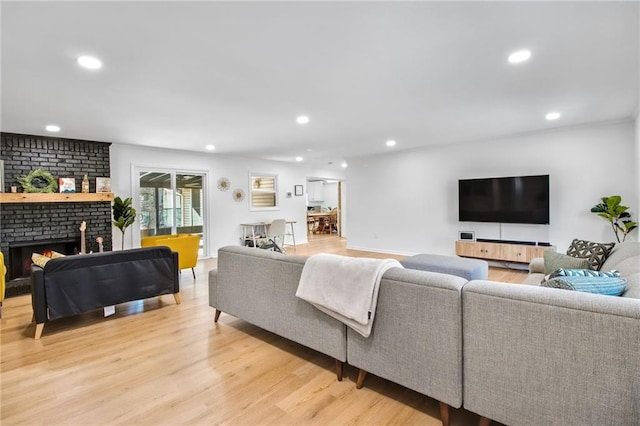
(344, 287)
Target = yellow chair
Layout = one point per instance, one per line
(187, 246)
(3, 271)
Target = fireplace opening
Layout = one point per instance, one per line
(20, 253)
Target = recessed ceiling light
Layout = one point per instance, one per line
(519, 56)
(302, 119)
(391, 143)
(299, 158)
(90, 62)
(552, 116)
(210, 147)
(52, 128)
(344, 165)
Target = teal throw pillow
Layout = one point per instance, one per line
(609, 286)
(554, 261)
(562, 272)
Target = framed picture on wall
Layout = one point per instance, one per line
(298, 189)
(67, 184)
(103, 184)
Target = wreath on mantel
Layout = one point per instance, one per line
(38, 181)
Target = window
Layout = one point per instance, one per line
(264, 191)
(171, 202)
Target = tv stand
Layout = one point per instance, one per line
(499, 250)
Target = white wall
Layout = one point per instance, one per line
(330, 195)
(224, 213)
(636, 217)
(407, 202)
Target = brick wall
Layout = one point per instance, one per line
(22, 222)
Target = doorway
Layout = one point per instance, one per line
(325, 207)
(172, 202)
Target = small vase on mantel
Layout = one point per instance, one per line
(85, 184)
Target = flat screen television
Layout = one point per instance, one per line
(518, 199)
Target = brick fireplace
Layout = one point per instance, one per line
(19, 264)
(38, 224)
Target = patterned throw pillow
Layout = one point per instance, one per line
(554, 261)
(609, 286)
(597, 253)
(562, 272)
(42, 259)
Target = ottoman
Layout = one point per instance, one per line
(471, 269)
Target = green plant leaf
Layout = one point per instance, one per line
(606, 216)
(630, 226)
(611, 210)
(123, 214)
(613, 201)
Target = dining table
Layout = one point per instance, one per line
(318, 223)
(254, 232)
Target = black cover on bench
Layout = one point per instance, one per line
(75, 284)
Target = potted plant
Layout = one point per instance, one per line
(611, 210)
(123, 215)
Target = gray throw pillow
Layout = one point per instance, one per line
(597, 253)
(554, 260)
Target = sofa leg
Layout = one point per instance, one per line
(484, 421)
(39, 328)
(444, 413)
(194, 273)
(339, 370)
(176, 296)
(361, 376)
(215, 319)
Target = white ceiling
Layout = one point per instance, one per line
(183, 75)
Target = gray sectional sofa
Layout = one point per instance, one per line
(518, 354)
(543, 356)
(259, 287)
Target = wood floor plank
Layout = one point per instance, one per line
(158, 363)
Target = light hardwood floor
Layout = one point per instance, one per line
(158, 363)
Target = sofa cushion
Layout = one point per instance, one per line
(554, 261)
(621, 252)
(633, 286)
(470, 269)
(610, 286)
(597, 253)
(626, 267)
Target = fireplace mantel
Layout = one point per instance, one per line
(23, 197)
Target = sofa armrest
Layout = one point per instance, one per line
(213, 288)
(38, 297)
(537, 265)
(536, 355)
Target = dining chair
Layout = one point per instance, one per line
(275, 231)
